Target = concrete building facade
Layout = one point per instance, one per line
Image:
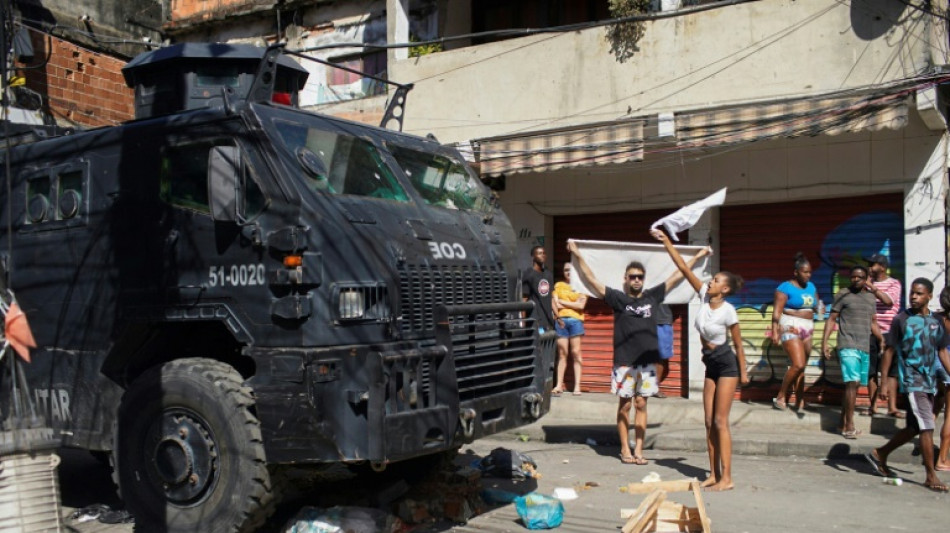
(826, 121)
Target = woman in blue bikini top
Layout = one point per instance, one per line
(792, 325)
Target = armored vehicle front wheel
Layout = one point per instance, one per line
(189, 454)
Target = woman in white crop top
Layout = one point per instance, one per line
(725, 367)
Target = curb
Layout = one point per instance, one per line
(677, 424)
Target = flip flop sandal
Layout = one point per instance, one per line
(556, 392)
(851, 435)
(640, 460)
(941, 468)
(628, 459)
(779, 405)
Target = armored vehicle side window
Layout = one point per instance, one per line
(55, 195)
(37, 199)
(442, 181)
(69, 193)
(340, 164)
(184, 178)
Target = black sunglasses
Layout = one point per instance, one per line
(635, 276)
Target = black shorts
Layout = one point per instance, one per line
(875, 360)
(720, 362)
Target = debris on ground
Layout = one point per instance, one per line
(508, 464)
(652, 477)
(580, 487)
(498, 496)
(343, 519)
(538, 511)
(656, 514)
(564, 493)
(103, 513)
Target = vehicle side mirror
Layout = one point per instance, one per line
(224, 172)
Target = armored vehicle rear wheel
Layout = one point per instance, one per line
(189, 454)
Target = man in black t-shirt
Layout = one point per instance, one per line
(636, 348)
(536, 286)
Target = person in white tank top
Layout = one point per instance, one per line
(716, 321)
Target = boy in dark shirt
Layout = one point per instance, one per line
(536, 286)
(918, 340)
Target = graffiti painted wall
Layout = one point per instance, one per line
(759, 243)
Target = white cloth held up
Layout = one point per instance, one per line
(686, 217)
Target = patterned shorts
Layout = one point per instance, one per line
(794, 327)
(630, 381)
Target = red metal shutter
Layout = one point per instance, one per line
(597, 344)
(759, 242)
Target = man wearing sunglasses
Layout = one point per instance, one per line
(636, 347)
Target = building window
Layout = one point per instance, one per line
(347, 85)
(490, 15)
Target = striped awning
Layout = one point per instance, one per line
(792, 118)
(623, 141)
(539, 151)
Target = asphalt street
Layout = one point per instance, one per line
(771, 494)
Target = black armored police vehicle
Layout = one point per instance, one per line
(229, 283)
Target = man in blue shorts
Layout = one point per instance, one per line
(918, 340)
(853, 311)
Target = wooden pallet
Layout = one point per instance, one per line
(657, 514)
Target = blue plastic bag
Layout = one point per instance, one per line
(538, 511)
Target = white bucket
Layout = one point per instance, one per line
(29, 487)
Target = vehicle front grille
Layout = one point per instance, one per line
(494, 350)
(422, 288)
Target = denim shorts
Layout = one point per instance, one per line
(572, 327)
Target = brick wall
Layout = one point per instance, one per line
(190, 11)
(78, 85)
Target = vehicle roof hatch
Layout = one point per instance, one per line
(198, 75)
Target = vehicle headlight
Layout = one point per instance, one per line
(352, 304)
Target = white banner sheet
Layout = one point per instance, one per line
(608, 261)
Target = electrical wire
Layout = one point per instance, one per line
(924, 10)
(535, 31)
(793, 125)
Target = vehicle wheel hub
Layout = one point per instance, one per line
(183, 457)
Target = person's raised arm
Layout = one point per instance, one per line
(684, 268)
(878, 293)
(587, 276)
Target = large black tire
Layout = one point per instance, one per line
(189, 455)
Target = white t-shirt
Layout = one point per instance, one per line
(712, 324)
